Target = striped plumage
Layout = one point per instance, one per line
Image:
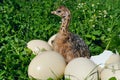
(66, 43)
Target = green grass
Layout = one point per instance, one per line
(96, 21)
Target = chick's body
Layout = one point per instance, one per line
(66, 43)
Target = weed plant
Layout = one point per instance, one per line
(96, 21)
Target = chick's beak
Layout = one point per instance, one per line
(53, 12)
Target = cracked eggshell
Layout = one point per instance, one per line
(114, 58)
(81, 69)
(101, 58)
(38, 46)
(50, 64)
(51, 39)
(111, 70)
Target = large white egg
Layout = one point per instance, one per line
(51, 39)
(49, 64)
(111, 70)
(81, 69)
(114, 58)
(38, 46)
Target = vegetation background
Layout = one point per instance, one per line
(96, 21)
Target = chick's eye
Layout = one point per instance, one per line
(58, 11)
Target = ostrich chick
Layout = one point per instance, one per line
(66, 43)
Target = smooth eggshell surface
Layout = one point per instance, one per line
(81, 69)
(114, 58)
(38, 46)
(111, 70)
(50, 64)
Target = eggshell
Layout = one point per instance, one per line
(51, 39)
(81, 69)
(111, 70)
(114, 58)
(101, 58)
(38, 46)
(49, 64)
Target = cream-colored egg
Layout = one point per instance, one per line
(50, 64)
(114, 58)
(38, 46)
(111, 70)
(81, 69)
(51, 39)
